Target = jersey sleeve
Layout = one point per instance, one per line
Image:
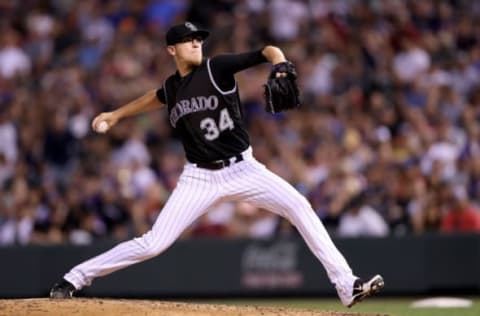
(225, 66)
(161, 95)
(233, 63)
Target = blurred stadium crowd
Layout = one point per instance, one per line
(387, 141)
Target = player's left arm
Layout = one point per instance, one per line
(225, 66)
(274, 54)
(233, 63)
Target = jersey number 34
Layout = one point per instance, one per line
(213, 129)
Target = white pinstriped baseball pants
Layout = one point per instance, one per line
(197, 190)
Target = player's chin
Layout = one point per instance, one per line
(196, 61)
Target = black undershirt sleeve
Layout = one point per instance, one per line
(161, 95)
(225, 66)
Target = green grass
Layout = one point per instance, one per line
(397, 307)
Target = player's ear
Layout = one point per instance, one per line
(171, 50)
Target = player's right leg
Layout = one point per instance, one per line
(194, 194)
(263, 188)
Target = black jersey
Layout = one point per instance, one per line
(204, 107)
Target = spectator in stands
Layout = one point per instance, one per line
(462, 215)
(360, 219)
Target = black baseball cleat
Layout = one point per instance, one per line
(363, 289)
(63, 289)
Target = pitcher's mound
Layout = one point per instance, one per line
(123, 307)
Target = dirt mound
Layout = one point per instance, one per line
(120, 307)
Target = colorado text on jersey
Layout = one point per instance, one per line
(195, 104)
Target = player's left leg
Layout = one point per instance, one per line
(257, 185)
(196, 191)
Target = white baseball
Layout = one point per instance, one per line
(102, 127)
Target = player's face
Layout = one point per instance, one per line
(189, 50)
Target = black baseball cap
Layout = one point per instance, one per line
(178, 32)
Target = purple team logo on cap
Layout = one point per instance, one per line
(191, 26)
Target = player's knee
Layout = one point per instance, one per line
(154, 249)
(304, 204)
(152, 246)
(300, 206)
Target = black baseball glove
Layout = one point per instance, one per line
(281, 93)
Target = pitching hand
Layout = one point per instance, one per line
(108, 117)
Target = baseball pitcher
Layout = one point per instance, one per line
(203, 104)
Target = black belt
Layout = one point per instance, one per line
(219, 164)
